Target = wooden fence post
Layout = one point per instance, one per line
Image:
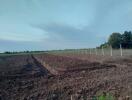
(111, 52)
(90, 51)
(96, 51)
(102, 51)
(121, 49)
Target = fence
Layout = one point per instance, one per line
(94, 51)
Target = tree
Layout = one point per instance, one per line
(104, 45)
(115, 40)
(7, 52)
(127, 39)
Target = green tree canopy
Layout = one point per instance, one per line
(115, 40)
(127, 39)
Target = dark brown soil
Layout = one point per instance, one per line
(53, 77)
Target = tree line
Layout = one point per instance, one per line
(21, 52)
(116, 39)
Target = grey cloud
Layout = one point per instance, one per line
(104, 8)
(62, 36)
(67, 32)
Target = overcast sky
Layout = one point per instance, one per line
(61, 24)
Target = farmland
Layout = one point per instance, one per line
(64, 76)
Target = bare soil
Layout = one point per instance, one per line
(60, 77)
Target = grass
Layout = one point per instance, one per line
(115, 52)
(14, 54)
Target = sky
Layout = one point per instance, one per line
(61, 24)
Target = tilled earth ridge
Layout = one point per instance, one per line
(52, 77)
